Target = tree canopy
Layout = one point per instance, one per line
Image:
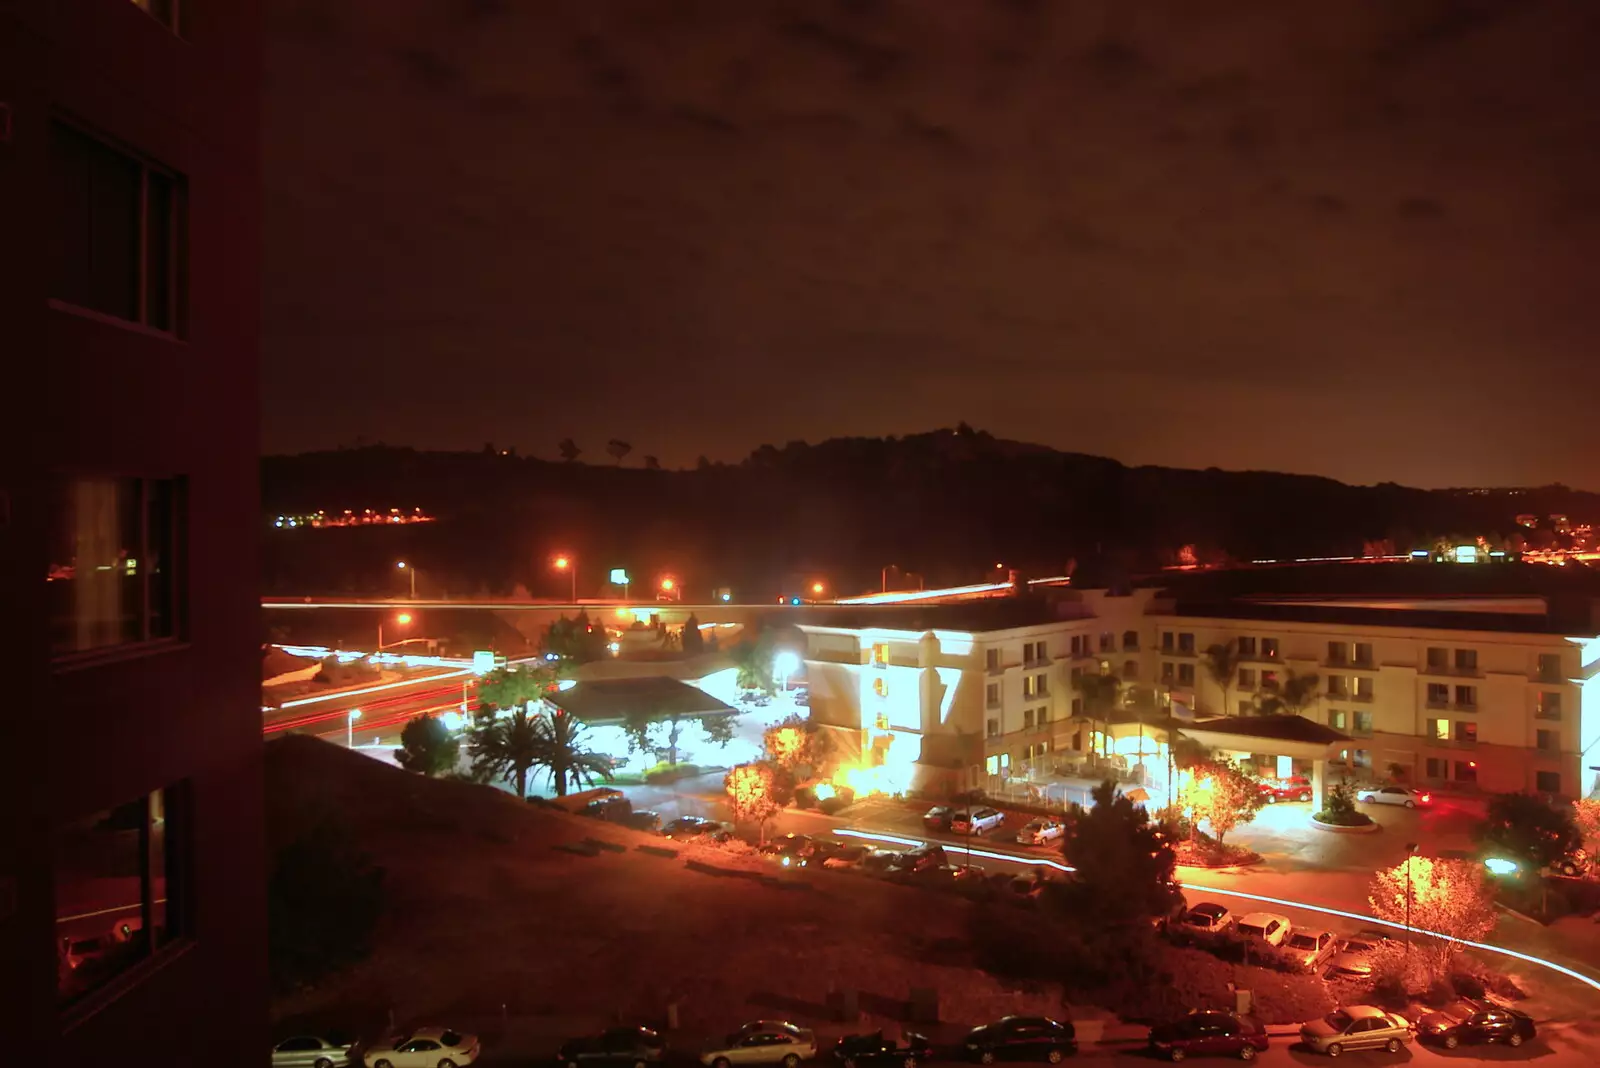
(1222, 795)
(428, 747)
(754, 792)
(1124, 867)
(753, 659)
(1528, 829)
(578, 640)
(1449, 897)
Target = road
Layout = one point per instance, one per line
(385, 707)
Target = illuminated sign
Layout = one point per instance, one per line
(483, 661)
(619, 576)
(1466, 554)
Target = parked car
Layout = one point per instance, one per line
(1473, 1022)
(1353, 959)
(425, 1047)
(1356, 1027)
(1041, 832)
(693, 827)
(921, 858)
(633, 1046)
(311, 1051)
(937, 818)
(763, 1042)
(1206, 920)
(802, 698)
(791, 850)
(1209, 1034)
(828, 853)
(1312, 948)
(1293, 788)
(1573, 865)
(1267, 928)
(866, 1051)
(1021, 1038)
(643, 819)
(976, 820)
(616, 809)
(1395, 795)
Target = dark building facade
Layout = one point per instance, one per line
(132, 876)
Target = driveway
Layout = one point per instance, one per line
(1287, 842)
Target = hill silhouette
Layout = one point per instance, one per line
(948, 504)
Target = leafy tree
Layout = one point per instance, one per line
(1528, 829)
(507, 747)
(427, 747)
(1101, 695)
(719, 729)
(753, 791)
(324, 900)
(508, 688)
(652, 464)
(1295, 696)
(1224, 796)
(569, 450)
(1124, 868)
(561, 752)
(1586, 815)
(753, 659)
(693, 641)
(1448, 897)
(1222, 664)
(797, 745)
(577, 640)
(616, 448)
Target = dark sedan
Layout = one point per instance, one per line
(1021, 1038)
(1474, 1023)
(635, 1046)
(1201, 1033)
(937, 818)
(693, 827)
(862, 1051)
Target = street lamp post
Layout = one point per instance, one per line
(403, 619)
(569, 564)
(1411, 851)
(411, 573)
(350, 728)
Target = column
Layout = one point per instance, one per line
(1319, 778)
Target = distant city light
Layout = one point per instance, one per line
(727, 597)
(816, 588)
(667, 584)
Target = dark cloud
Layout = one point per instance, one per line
(1246, 234)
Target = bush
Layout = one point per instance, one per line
(668, 773)
(324, 897)
(1339, 808)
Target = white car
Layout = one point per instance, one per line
(426, 1047)
(763, 1042)
(1312, 948)
(1395, 795)
(1268, 928)
(1206, 920)
(1041, 832)
(975, 820)
(310, 1051)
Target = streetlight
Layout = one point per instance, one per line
(1411, 851)
(669, 586)
(403, 619)
(567, 563)
(412, 573)
(816, 589)
(785, 664)
(350, 728)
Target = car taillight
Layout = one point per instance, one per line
(1426, 798)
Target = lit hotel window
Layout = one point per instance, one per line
(880, 686)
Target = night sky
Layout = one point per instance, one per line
(1346, 238)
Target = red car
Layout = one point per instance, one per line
(1203, 1033)
(1294, 788)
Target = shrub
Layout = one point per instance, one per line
(1339, 808)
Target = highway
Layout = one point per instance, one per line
(385, 707)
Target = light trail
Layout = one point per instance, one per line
(374, 689)
(374, 706)
(1326, 910)
(395, 720)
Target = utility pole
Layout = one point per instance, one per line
(1411, 851)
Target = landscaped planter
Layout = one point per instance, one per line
(1336, 828)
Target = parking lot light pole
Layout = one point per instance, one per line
(1411, 851)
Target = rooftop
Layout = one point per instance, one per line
(998, 613)
(1272, 729)
(655, 696)
(1559, 617)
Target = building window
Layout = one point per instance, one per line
(1166, 671)
(1364, 690)
(991, 660)
(991, 695)
(1363, 654)
(1185, 674)
(1247, 678)
(1027, 719)
(1466, 771)
(1550, 667)
(1466, 731)
(1247, 647)
(992, 728)
(1108, 642)
(1338, 652)
(1362, 758)
(117, 224)
(1549, 741)
(1077, 706)
(1466, 696)
(1547, 782)
(1168, 641)
(1438, 695)
(163, 11)
(1186, 644)
(1438, 659)
(880, 654)
(1336, 719)
(1079, 645)
(1439, 730)
(881, 721)
(1466, 660)
(1437, 768)
(1269, 682)
(114, 575)
(120, 889)
(1042, 715)
(1269, 648)
(1130, 641)
(1130, 669)
(1336, 687)
(1363, 724)
(880, 686)
(1549, 705)
(992, 765)
(1031, 685)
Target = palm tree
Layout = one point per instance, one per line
(506, 747)
(1101, 694)
(1298, 693)
(560, 750)
(1222, 664)
(752, 659)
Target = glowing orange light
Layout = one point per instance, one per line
(667, 584)
(561, 563)
(816, 587)
(403, 618)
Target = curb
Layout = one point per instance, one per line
(1370, 828)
